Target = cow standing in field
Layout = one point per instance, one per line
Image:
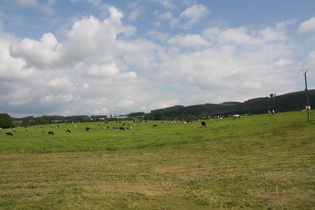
(51, 133)
(203, 124)
(87, 128)
(235, 116)
(68, 131)
(9, 134)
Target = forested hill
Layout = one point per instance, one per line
(288, 102)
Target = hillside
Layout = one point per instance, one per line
(288, 102)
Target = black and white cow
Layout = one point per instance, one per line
(9, 134)
(235, 116)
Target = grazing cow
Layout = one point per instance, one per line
(9, 134)
(236, 116)
(121, 128)
(51, 133)
(203, 124)
(87, 128)
(154, 125)
(68, 131)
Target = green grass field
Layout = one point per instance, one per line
(256, 162)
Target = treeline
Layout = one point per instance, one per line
(42, 120)
(283, 103)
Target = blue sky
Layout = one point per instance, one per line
(70, 57)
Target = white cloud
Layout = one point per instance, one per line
(57, 99)
(193, 15)
(168, 103)
(158, 35)
(125, 103)
(283, 63)
(307, 26)
(60, 83)
(165, 16)
(105, 70)
(137, 10)
(101, 111)
(168, 4)
(189, 40)
(97, 101)
(39, 54)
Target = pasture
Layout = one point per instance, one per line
(256, 162)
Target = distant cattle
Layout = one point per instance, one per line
(154, 125)
(236, 116)
(87, 128)
(203, 124)
(9, 134)
(68, 131)
(51, 133)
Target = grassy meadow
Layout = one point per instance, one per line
(256, 162)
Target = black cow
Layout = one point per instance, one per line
(154, 125)
(68, 131)
(203, 124)
(87, 128)
(9, 134)
(51, 133)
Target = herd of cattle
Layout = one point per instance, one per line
(121, 127)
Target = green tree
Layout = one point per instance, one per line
(6, 121)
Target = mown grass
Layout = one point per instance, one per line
(257, 162)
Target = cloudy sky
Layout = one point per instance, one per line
(73, 57)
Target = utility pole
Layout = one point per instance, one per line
(308, 108)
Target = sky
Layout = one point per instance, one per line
(115, 57)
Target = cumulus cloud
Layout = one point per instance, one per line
(88, 40)
(307, 26)
(100, 67)
(39, 54)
